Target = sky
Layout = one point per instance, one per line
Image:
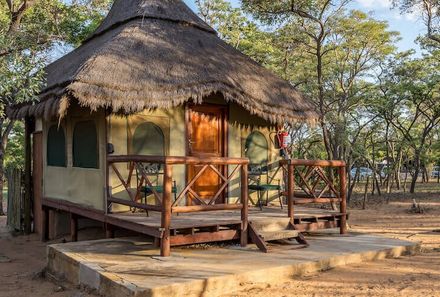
(410, 25)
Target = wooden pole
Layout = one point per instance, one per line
(45, 224)
(28, 176)
(290, 191)
(107, 190)
(156, 242)
(165, 242)
(343, 194)
(109, 231)
(37, 178)
(73, 227)
(245, 208)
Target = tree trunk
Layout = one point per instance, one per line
(373, 168)
(3, 143)
(412, 188)
(405, 181)
(388, 176)
(2, 176)
(364, 204)
(398, 168)
(379, 192)
(352, 183)
(425, 169)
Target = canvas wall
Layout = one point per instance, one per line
(83, 186)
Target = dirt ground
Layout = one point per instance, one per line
(417, 276)
(22, 258)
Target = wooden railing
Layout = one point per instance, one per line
(164, 202)
(315, 181)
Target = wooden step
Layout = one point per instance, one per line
(279, 234)
(275, 224)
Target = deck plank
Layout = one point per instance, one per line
(209, 219)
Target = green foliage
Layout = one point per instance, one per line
(14, 154)
(28, 36)
(376, 104)
(25, 45)
(234, 27)
(430, 10)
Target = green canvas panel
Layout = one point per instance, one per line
(85, 145)
(256, 148)
(56, 147)
(148, 139)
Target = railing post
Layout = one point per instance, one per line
(343, 194)
(244, 202)
(165, 242)
(290, 191)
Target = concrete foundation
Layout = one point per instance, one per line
(131, 267)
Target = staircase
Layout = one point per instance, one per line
(260, 232)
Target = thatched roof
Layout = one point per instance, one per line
(159, 54)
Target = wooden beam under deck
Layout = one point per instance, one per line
(70, 207)
(204, 237)
(228, 228)
(197, 208)
(99, 216)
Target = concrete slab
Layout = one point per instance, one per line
(131, 267)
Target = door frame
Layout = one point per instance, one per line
(224, 139)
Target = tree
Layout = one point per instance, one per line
(430, 10)
(413, 105)
(14, 153)
(336, 50)
(312, 21)
(235, 28)
(30, 29)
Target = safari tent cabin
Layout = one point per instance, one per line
(155, 115)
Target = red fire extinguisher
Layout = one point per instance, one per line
(283, 139)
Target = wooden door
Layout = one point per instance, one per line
(206, 137)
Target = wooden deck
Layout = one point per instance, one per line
(201, 227)
(173, 223)
(269, 215)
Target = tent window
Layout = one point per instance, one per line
(256, 148)
(148, 139)
(85, 145)
(56, 147)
